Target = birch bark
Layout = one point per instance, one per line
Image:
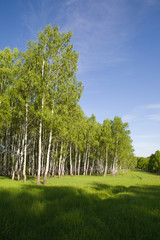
(12, 155)
(71, 167)
(79, 163)
(40, 135)
(48, 152)
(75, 166)
(60, 159)
(5, 153)
(33, 157)
(25, 145)
(48, 155)
(85, 161)
(20, 160)
(106, 163)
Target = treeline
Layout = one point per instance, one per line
(151, 164)
(43, 131)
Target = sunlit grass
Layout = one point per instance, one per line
(122, 207)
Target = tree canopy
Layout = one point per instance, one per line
(43, 130)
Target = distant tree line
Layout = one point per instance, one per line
(151, 164)
(43, 131)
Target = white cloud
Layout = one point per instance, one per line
(145, 136)
(99, 32)
(154, 117)
(102, 29)
(145, 149)
(152, 106)
(70, 2)
(128, 117)
(145, 129)
(144, 113)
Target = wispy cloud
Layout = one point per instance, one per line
(37, 14)
(145, 136)
(128, 117)
(145, 128)
(154, 117)
(69, 2)
(152, 106)
(147, 148)
(99, 32)
(102, 29)
(143, 113)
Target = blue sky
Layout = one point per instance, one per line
(119, 55)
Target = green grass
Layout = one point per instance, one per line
(121, 207)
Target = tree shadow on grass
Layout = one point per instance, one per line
(5, 177)
(48, 212)
(144, 172)
(109, 189)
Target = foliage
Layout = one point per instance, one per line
(42, 127)
(151, 164)
(142, 163)
(154, 162)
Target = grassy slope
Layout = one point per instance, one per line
(122, 207)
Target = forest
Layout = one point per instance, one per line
(43, 130)
(151, 164)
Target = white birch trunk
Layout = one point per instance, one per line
(60, 159)
(48, 155)
(42, 159)
(40, 153)
(114, 170)
(52, 166)
(79, 163)
(71, 168)
(20, 160)
(8, 154)
(85, 161)
(18, 153)
(54, 160)
(75, 165)
(13, 156)
(106, 163)
(48, 152)
(62, 165)
(40, 135)
(63, 162)
(33, 158)
(5, 154)
(25, 145)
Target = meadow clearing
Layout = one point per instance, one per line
(121, 207)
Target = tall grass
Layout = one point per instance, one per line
(121, 207)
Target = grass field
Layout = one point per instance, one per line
(121, 207)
